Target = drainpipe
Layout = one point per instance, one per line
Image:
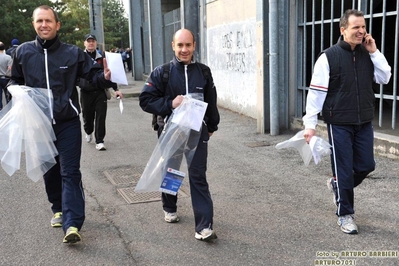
(150, 33)
(273, 67)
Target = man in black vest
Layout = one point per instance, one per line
(341, 88)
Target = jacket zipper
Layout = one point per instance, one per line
(49, 92)
(357, 86)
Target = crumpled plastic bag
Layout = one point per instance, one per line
(176, 140)
(317, 147)
(25, 126)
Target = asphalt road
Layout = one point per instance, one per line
(270, 209)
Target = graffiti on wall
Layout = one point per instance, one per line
(231, 54)
(234, 42)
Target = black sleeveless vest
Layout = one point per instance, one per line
(350, 98)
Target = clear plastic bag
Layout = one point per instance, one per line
(317, 148)
(25, 126)
(175, 142)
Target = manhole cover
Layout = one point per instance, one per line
(257, 144)
(122, 175)
(132, 197)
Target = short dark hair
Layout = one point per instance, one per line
(2, 46)
(343, 22)
(46, 7)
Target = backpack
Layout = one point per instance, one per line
(165, 80)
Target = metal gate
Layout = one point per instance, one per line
(318, 29)
(170, 24)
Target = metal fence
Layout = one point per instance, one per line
(318, 29)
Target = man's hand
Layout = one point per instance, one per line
(177, 101)
(308, 134)
(369, 43)
(119, 94)
(107, 71)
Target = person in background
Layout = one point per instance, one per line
(129, 59)
(341, 89)
(51, 64)
(94, 99)
(159, 100)
(10, 51)
(14, 44)
(5, 67)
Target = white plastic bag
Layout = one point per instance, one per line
(317, 147)
(25, 126)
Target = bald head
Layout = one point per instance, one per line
(183, 45)
(183, 31)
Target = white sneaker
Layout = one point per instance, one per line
(347, 224)
(88, 138)
(206, 234)
(100, 147)
(171, 217)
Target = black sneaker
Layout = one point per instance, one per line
(332, 186)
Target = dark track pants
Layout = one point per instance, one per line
(63, 181)
(200, 196)
(3, 84)
(94, 112)
(352, 159)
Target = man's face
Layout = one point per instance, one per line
(355, 31)
(45, 24)
(184, 46)
(90, 45)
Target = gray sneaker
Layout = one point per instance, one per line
(56, 221)
(347, 224)
(171, 217)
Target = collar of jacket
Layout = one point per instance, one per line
(97, 54)
(179, 64)
(346, 46)
(52, 44)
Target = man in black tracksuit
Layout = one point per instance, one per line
(50, 64)
(94, 99)
(160, 100)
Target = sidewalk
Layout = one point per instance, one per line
(269, 209)
(133, 88)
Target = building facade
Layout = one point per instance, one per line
(262, 52)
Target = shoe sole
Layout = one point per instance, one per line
(352, 232)
(72, 238)
(206, 239)
(172, 221)
(56, 225)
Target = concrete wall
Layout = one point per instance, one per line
(231, 53)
